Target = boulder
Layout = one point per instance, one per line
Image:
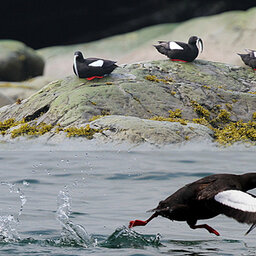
(144, 90)
(159, 90)
(19, 62)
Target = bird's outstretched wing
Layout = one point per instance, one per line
(238, 205)
(210, 186)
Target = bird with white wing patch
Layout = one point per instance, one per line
(179, 51)
(92, 68)
(208, 197)
(249, 58)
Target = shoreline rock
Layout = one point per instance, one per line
(204, 93)
(135, 130)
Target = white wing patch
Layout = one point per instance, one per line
(175, 46)
(97, 63)
(75, 66)
(254, 54)
(237, 199)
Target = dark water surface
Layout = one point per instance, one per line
(77, 199)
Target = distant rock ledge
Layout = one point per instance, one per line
(19, 62)
(185, 101)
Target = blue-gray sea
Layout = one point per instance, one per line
(78, 198)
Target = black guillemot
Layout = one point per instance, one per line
(249, 58)
(179, 51)
(207, 198)
(91, 68)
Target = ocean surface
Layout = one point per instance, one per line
(78, 198)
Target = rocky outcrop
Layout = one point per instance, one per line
(198, 92)
(19, 62)
(144, 90)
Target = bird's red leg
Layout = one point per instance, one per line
(93, 77)
(210, 229)
(134, 223)
(178, 60)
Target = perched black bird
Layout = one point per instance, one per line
(179, 51)
(207, 198)
(249, 58)
(91, 68)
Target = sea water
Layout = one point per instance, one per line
(77, 198)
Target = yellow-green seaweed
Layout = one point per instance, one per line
(200, 110)
(159, 80)
(86, 131)
(27, 129)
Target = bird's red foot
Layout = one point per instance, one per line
(207, 227)
(211, 230)
(93, 77)
(178, 60)
(134, 223)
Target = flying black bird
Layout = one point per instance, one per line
(208, 197)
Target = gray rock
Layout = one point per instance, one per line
(136, 130)
(19, 62)
(144, 90)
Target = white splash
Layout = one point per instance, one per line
(175, 46)
(237, 199)
(97, 63)
(8, 232)
(8, 223)
(13, 189)
(71, 231)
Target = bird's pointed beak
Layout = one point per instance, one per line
(200, 44)
(158, 210)
(151, 210)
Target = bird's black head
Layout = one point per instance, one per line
(78, 55)
(194, 40)
(162, 206)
